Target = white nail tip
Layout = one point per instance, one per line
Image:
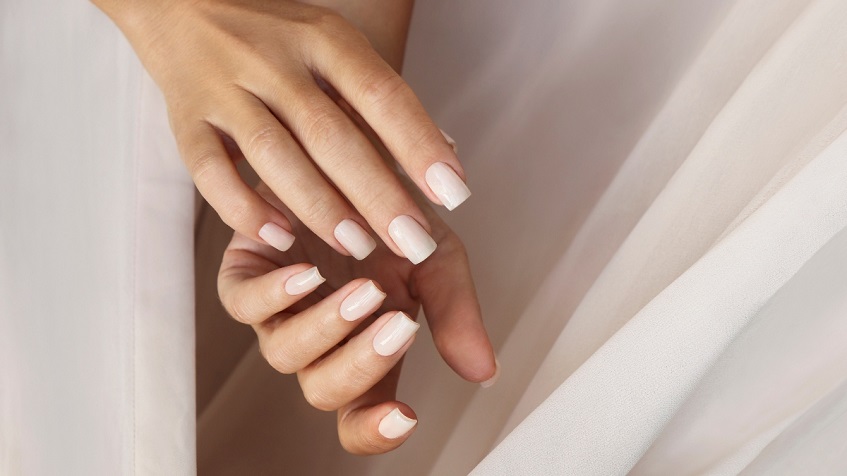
(396, 424)
(450, 141)
(361, 302)
(276, 236)
(304, 281)
(411, 238)
(446, 185)
(494, 377)
(394, 334)
(354, 239)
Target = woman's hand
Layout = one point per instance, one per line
(262, 79)
(321, 330)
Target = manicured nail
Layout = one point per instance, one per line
(304, 282)
(446, 185)
(394, 334)
(363, 301)
(396, 424)
(354, 239)
(450, 141)
(411, 238)
(494, 377)
(276, 236)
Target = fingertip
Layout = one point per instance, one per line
(377, 429)
(395, 424)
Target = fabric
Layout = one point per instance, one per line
(658, 233)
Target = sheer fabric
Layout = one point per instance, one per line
(657, 232)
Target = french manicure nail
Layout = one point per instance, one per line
(394, 334)
(361, 302)
(396, 424)
(276, 236)
(354, 239)
(304, 281)
(450, 141)
(494, 377)
(411, 238)
(446, 185)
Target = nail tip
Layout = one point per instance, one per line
(395, 424)
(491, 381)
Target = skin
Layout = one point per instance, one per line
(318, 110)
(334, 359)
(253, 76)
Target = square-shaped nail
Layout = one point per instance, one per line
(304, 281)
(276, 236)
(396, 424)
(411, 238)
(394, 334)
(446, 184)
(354, 239)
(362, 302)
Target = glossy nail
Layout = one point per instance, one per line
(276, 236)
(394, 334)
(411, 238)
(450, 141)
(363, 301)
(354, 239)
(446, 185)
(304, 282)
(396, 424)
(494, 377)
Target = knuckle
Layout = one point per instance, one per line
(319, 210)
(380, 88)
(326, 131)
(280, 359)
(237, 308)
(201, 163)
(319, 399)
(239, 212)
(263, 140)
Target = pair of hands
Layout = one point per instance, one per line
(302, 95)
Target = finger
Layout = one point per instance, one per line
(448, 296)
(376, 423)
(278, 159)
(217, 179)
(350, 161)
(252, 299)
(394, 112)
(358, 365)
(291, 344)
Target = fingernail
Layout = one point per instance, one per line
(276, 236)
(396, 424)
(354, 239)
(361, 302)
(494, 377)
(446, 185)
(304, 282)
(411, 238)
(394, 334)
(450, 141)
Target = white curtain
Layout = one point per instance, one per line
(657, 232)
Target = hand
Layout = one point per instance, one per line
(319, 329)
(265, 78)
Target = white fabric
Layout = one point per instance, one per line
(96, 283)
(657, 232)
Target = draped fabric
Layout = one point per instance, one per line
(658, 233)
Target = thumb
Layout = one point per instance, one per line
(444, 285)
